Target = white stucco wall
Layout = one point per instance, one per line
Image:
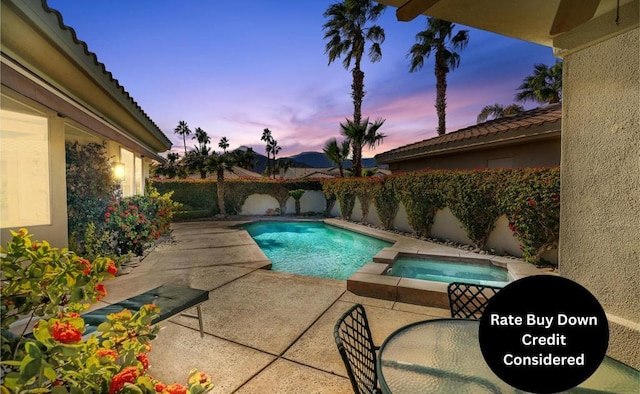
(447, 226)
(600, 184)
(502, 240)
(258, 204)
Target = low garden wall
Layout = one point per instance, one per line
(509, 211)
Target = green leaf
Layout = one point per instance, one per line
(30, 368)
(33, 350)
(104, 327)
(59, 390)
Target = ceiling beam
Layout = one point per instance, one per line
(412, 8)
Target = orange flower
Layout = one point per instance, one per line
(65, 333)
(144, 360)
(160, 387)
(107, 353)
(111, 267)
(127, 375)
(70, 315)
(176, 388)
(101, 290)
(87, 264)
(204, 378)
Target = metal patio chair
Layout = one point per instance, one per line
(467, 300)
(355, 344)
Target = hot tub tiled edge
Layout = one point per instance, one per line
(371, 281)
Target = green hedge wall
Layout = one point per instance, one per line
(530, 198)
(199, 196)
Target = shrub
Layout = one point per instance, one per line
(41, 281)
(90, 185)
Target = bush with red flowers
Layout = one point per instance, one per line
(51, 286)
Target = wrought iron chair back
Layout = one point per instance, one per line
(468, 301)
(355, 344)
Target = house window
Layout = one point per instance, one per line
(24, 170)
(500, 163)
(132, 183)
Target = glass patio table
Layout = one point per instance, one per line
(444, 356)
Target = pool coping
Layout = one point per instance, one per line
(371, 280)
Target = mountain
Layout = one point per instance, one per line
(319, 160)
(307, 159)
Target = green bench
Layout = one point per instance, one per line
(172, 299)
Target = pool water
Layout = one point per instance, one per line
(448, 271)
(314, 248)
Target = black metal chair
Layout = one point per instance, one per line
(468, 301)
(355, 344)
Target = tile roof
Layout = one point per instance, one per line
(94, 59)
(477, 134)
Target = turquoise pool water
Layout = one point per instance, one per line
(314, 248)
(448, 271)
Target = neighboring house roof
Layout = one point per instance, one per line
(239, 172)
(535, 124)
(59, 58)
(300, 172)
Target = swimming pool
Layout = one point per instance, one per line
(314, 248)
(449, 271)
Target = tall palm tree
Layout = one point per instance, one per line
(275, 149)
(347, 32)
(202, 137)
(183, 130)
(219, 163)
(544, 86)
(244, 159)
(496, 111)
(337, 153)
(224, 144)
(196, 160)
(267, 138)
(360, 135)
(438, 38)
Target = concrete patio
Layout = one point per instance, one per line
(265, 331)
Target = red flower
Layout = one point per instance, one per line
(101, 290)
(127, 375)
(111, 267)
(107, 353)
(70, 315)
(160, 387)
(87, 264)
(176, 388)
(532, 203)
(65, 333)
(144, 360)
(35, 246)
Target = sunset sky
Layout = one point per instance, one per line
(234, 68)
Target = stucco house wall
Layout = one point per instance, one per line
(534, 154)
(600, 184)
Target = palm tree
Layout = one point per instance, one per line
(347, 33)
(275, 149)
(544, 86)
(244, 159)
(183, 130)
(359, 135)
(202, 137)
(196, 160)
(439, 38)
(219, 163)
(337, 153)
(496, 111)
(170, 167)
(224, 144)
(267, 138)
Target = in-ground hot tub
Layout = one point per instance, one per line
(422, 278)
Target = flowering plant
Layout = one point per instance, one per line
(57, 356)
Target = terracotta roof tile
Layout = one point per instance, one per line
(535, 117)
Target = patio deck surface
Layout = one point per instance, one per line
(265, 331)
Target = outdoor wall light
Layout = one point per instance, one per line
(118, 171)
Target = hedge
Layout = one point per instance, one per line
(530, 198)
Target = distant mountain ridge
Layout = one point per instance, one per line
(308, 159)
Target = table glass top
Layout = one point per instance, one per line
(444, 356)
